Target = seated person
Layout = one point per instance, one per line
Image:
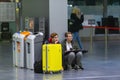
(72, 59)
(53, 38)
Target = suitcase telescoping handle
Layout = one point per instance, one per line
(46, 57)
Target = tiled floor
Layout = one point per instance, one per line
(99, 64)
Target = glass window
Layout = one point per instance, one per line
(113, 2)
(76, 2)
(85, 2)
(92, 2)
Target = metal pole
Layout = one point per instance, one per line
(104, 8)
(91, 39)
(106, 43)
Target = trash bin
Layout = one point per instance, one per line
(14, 41)
(19, 48)
(33, 49)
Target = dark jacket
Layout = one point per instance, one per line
(77, 22)
(74, 45)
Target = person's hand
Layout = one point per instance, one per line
(66, 51)
(78, 15)
(81, 13)
(56, 42)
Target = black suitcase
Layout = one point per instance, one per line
(38, 67)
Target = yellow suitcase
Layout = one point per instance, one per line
(52, 58)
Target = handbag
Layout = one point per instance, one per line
(71, 22)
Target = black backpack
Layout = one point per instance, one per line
(38, 67)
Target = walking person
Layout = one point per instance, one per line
(77, 17)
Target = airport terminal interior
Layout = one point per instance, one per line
(99, 64)
(100, 36)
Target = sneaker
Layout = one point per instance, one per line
(76, 67)
(84, 51)
(80, 67)
(69, 67)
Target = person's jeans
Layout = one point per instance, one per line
(76, 37)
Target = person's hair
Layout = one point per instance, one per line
(53, 35)
(75, 10)
(66, 34)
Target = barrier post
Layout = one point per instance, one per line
(106, 42)
(91, 22)
(91, 39)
